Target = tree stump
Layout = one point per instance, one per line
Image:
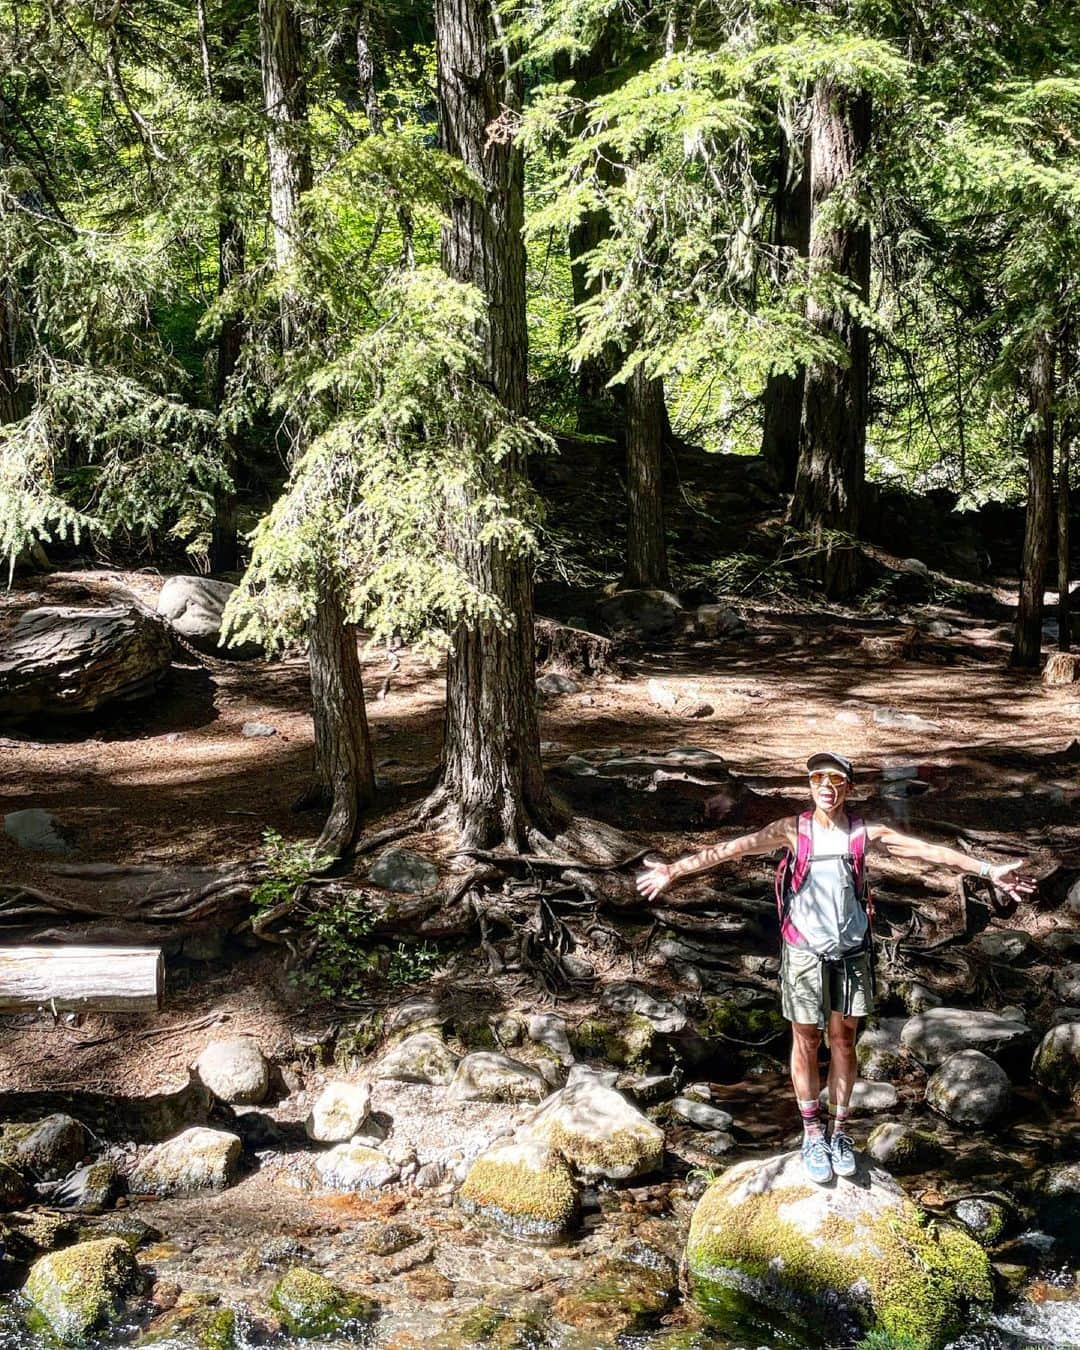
(1062, 668)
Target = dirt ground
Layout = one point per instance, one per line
(173, 779)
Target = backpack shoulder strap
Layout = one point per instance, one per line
(792, 868)
(805, 849)
(857, 848)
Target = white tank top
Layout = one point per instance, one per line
(826, 911)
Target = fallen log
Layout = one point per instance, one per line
(81, 979)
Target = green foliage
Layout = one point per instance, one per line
(288, 864)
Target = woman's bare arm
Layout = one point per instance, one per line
(908, 846)
(657, 877)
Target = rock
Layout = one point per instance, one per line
(339, 1112)
(1072, 899)
(892, 719)
(193, 606)
(585, 1073)
(936, 1034)
(400, 869)
(199, 1159)
(46, 1150)
(914, 566)
(522, 1188)
(65, 662)
(761, 1231)
(869, 1096)
(662, 695)
(938, 628)
(618, 1299)
(1060, 1015)
(1056, 1065)
(643, 613)
(1067, 983)
(625, 996)
(431, 1175)
(969, 1088)
(124, 1225)
(1055, 1194)
(355, 1167)
(718, 621)
(257, 730)
(901, 1148)
(625, 1041)
(597, 1131)
(917, 998)
(37, 830)
(90, 1189)
(420, 1013)
(1008, 944)
(13, 1188)
(82, 1288)
(879, 1051)
(987, 1220)
(485, 1076)
(849, 717)
(554, 683)
(235, 1070)
(649, 1088)
(701, 1114)
(420, 1058)
(549, 1030)
(310, 1305)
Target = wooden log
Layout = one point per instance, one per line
(81, 979)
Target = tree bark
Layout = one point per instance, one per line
(646, 547)
(1064, 502)
(492, 776)
(832, 450)
(343, 775)
(791, 235)
(1027, 638)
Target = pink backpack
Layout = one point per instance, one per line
(793, 869)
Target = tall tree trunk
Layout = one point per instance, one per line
(344, 777)
(791, 234)
(492, 776)
(1064, 502)
(1038, 520)
(832, 451)
(646, 547)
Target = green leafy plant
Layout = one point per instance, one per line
(288, 863)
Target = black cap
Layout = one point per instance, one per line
(824, 758)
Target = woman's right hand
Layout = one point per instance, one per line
(656, 878)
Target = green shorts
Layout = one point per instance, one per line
(811, 989)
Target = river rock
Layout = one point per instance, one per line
(37, 830)
(549, 1030)
(1055, 1194)
(880, 1052)
(309, 1305)
(969, 1088)
(701, 1114)
(355, 1167)
(918, 998)
(761, 1231)
(63, 662)
(597, 1131)
(88, 1190)
(402, 870)
(1072, 896)
(199, 1159)
(235, 1070)
(420, 1058)
(869, 1096)
(555, 683)
(643, 613)
(339, 1112)
(894, 719)
(485, 1076)
(255, 731)
(718, 621)
(901, 1148)
(522, 1188)
(1056, 1065)
(936, 1034)
(1004, 944)
(626, 996)
(1067, 983)
(193, 606)
(82, 1288)
(986, 1219)
(43, 1151)
(617, 1300)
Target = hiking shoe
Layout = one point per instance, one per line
(842, 1152)
(817, 1163)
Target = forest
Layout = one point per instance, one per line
(452, 458)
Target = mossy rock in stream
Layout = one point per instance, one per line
(311, 1305)
(619, 1298)
(625, 1042)
(198, 1321)
(858, 1248)
(75, 1291)
(502, 1328)
(523, 1189)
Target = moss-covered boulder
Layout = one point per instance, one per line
(900, 1147)
(485, 1076)
(198, 1321)
(519, 1328)
(597, 1131)
(354, 1167)
(421, 1058)
(880, 1052)
(862, 1246)
(75, 1291)
(617, 1299)
(44, 1150)
(197, 1160)
(1056, 1065)
(624, 1041)
(523, 1189)
(309, 1304)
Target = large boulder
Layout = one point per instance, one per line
(488, 1077)
(1067, 983)
(309, 1305)
(627, 996)
(198, 1159)
(339, 1112)
(763, 1232)
(355, 1167)
(62, 662)
(900, 1147)
(1055, 1196)
(969, 1088)
(37, 830)
(643, 613)
(194, 606)
(45, 1150)
(420, 1058)
(235, 1070)
(934, 1035)
(77, 1290)
(597, 1131)
(522, 1188)
(1056, 1065)
(401, 869)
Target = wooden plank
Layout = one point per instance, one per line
(82, 979)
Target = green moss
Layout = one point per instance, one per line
(74, 1291)
(622, 1297)
(358, 1042)
(627, 1043)
(219, 1331)
(920, 1277)
(619, 1154)
(524, 1201)
(725, 1018)
(505, 1329)
(311, 1305)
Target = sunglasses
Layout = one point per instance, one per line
(822, 776)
